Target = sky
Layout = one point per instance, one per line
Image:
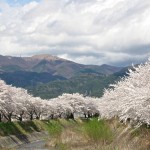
(115, 32)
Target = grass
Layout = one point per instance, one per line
(27, 127)
(97, 134)
(54, 128)
(92, 134)
(9, 128)
(97, 130)
(81, 134)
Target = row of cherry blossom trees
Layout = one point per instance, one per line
(16, 103)
(129, 99)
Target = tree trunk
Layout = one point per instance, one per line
(38, 116)
(71, 116)
(20, 119)
(0, 117)
(9, 117)
(89, 115)
(52, 116)
(21, 116)
(31, 116)
(96, 115)
(85, 115)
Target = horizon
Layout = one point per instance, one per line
(68, 60)
(87, 32)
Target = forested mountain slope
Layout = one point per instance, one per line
(87, 84)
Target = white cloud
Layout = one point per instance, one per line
(91, 32)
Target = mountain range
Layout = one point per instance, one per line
(48, 76)
(53, 65)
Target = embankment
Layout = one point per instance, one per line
(13, 134)
(14, 141)
(87, 134)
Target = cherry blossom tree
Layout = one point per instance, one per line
(130, 98)
(8, 106)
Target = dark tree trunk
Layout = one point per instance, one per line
(31, 116)
(72, 116)
(96, 115)
(38, 116)
(52, 116)
(85, 115)
(1, 117)
(89, 115)
(9, 117)
(20, 118)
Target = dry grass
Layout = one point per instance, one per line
(124, 137)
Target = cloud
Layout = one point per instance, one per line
(90, 32)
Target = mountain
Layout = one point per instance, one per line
(25, 79)
(48, 76)
(53, 65)
(87, 84)
(9, 63)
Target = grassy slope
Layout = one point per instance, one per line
(16, 128)
(100, 135)
(84, 134)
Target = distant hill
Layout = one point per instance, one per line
(53, 65)
(25, 79)
(87, 84)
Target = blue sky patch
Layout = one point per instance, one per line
(19, 2)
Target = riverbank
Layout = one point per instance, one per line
(14, 141)
(93, 134)
(13, 134)
(62, 134)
